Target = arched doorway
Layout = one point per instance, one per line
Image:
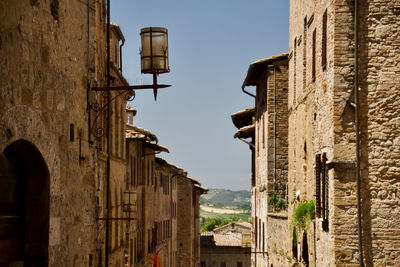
(24, 206)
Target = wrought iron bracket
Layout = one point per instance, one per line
(116, 219)
(128, 90)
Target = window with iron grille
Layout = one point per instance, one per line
(324, 30)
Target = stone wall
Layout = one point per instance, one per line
(44, 52)
(278, 241)
(271, 149)
(213, 256)
(185, 222)
(321, 120)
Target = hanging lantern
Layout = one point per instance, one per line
(154, 53)
(129, 202)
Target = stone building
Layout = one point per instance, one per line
(226, 246)
(267, 125)
(167, 205)
(61, 176)
(188, 221)
(344, 143)
(117, 154)
(48, 166)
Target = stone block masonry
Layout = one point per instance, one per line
(325, 105)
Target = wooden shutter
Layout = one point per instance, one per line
(256, 231)
(318, 185)
(314, 39)
(324, 30)
(325, 194)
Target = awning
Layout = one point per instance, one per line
(245, 132)
(243, 118)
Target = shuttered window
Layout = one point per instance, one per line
(318, 185)
(322, 190)
(324, 39)
(314, 40)
(256, 231)
(325, 194)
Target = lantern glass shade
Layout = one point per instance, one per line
(154, 54)
(129, 203)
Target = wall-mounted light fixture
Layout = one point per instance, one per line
(154, 52)
(154, 60)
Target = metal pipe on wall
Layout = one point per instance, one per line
(120, 55)
(108, 137)
(357, 128)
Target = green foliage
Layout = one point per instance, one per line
(211, 215)
(303, 214)
(210, 224)
(277, 202)
(281, 252)
(273, 199)
(282, 205)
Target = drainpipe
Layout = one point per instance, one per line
(108, 138)
(244, 91)
(120, 55)
(357, 126)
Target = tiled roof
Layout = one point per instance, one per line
(239, 226)
(223, 240)
(256, 68)
(135, 132)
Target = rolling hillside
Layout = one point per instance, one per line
(225, 204)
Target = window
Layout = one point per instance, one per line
(256, 231)
(324, 30)
(263, 131)
(294, 70)
(263, 236)
(314, 39)
(152, 173)
(259, 232)
(148, 173)
(322, 190)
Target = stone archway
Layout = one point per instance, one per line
(24, 206)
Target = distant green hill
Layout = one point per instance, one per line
(226, 197)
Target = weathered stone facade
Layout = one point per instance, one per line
(226, 246)
(44, 76)
(188, 221)
(270, 76)
(321, 122)
(54, 149)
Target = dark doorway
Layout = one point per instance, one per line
(24, 206)
(305, 249)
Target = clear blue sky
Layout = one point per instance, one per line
(211, 44)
